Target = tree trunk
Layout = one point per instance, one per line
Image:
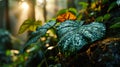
(6, 15)
(4, 20)
(31, 13)
(44, 11)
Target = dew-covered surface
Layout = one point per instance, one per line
(74, 35)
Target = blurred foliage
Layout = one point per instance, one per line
(117, 23)
(54, 43)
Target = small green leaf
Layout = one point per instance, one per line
(106, 16)
(29, 24)
(79, 17)
(116, 25)
(8, 53)
(73, 10)
(84, 4)
(99, 19)
(112, 5)
(62, 11)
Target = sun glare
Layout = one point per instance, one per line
(24, 6)
(40, 1)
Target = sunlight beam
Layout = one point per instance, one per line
(24, 5)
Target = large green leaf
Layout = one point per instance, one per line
(74, 35)
(29, 24)
(39, 33)
(67, 26)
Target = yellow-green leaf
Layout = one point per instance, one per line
(38, 22)
(29, 24)
(32, 28)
